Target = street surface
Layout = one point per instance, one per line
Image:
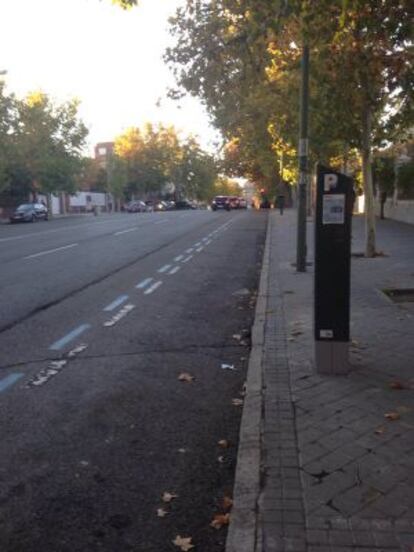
(99, 317)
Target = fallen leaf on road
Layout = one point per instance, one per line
(237, 336)
(182, 450)
(162, 513)
(227, 503)
(228, 367)
(223, 443)
(183, 543)
(392, 416)
(237, 402)
(396, 385)
(185, 376)
(219, 520)
(380, 430)
(220, 459)
(167, 497)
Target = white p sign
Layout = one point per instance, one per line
(329, 182)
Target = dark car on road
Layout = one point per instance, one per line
(29, 212)
(183, 204)
(221, 202)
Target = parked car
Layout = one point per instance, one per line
(136, 206)
(160, 206)
(221, 202)
(242, 203)
(234, 202)
(29, 212)
(150, 206)
(183, 204)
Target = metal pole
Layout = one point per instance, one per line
(303, 164)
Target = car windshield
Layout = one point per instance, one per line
(25, 207)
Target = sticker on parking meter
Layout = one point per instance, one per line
(333, 209)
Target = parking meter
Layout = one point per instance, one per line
(334, 203)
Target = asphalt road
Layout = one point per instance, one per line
(98, 319)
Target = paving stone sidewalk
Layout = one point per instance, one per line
(321, 467)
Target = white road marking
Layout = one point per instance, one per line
(174, 270)
(199, 249)
(205, 239)
(119, 315)
(187, 259)
(45, 374)
(164, 268)
(144, 283)
(51, 251)
(197, 244)
(154, 286)
(190, 250)
(125, 231)
(179, 258)
(207, 243)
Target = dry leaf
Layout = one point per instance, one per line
(223, 443)
(220, 459)
(219, 520)
(380, 430)
(167, 497)
(184, 543)
(237, 402)
(237, 336)
(182, 450)
(228, 367)
(227, 503)
(185, 376)
(392, 416)
(396, 385)
(161, 512)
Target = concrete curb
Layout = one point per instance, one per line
(242, 534)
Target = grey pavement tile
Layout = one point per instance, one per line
(340, 538)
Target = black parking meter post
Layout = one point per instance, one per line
(334, 199)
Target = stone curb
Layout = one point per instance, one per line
(242, 534)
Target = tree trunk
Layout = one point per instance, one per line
(49, 205)
(370, 246)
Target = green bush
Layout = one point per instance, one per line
(405, 180)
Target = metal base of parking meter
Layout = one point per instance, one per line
(334, 200)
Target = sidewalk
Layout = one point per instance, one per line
(320, 467)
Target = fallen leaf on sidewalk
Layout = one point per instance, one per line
(182, 450)
(237, 402)
(162, 513)
(392, 416)
(223, 443)
(228, 367)
(168, 497)
(183, 543)
(219, 520)
(237, 337)
(220, 459)
(185, 376)
(227, 503)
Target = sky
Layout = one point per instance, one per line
(108, 58)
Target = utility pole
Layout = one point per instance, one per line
(303, 163)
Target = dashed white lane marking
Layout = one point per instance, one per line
(54, 367)
(126, 231)
(164, 268)
(118, 301)
(144, 283)
(190, 250)
(51, 251)
(60, 343)
(174, 270)
(152, 288)
(119, 315)
(179, 258)
(205, 239)
(207, 243)
(197, 244)
(187, 259)
(199, 249)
